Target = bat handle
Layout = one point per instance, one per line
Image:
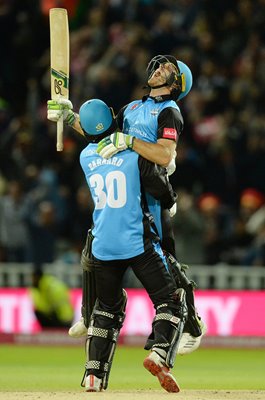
(59, 144)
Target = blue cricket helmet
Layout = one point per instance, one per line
(186, 77)
(181, 78)
(96, 118)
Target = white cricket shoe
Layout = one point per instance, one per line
(188, 343)
(155, 364)
(93, 384)
(78, 329)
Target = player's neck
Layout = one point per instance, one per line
(159, 92)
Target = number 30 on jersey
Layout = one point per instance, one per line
(109, 190)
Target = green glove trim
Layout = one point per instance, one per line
(54, 105)
(129, 141)
(71, 118)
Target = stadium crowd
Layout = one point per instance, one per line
(45, 208)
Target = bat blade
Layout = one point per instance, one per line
(60, 49)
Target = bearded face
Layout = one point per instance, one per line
(162, 74)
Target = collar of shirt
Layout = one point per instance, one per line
(157, 99)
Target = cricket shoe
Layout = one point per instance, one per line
(189, 343)
(93, 384)
(78, 329)
(155, 364)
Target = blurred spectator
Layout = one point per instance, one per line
(42, 232)
(243, 235)
(255, 254)
(44, 212)
(188, 230)
(51, 301)
(250, 201)
(13, 230)
(217, 225)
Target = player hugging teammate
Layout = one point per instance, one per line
(131, 223)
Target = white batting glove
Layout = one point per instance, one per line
(171, 168)
(114, 143)
(57, 108)
(108, 151)
(173, 210)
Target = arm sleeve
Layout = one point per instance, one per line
(155, 181)
(170, 124)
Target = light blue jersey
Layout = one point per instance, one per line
(140, 119)
(116, 190)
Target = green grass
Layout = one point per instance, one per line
(33, 368)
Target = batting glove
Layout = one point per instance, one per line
(171, 168)
(114, 143)
(173, 210)
(57, 108)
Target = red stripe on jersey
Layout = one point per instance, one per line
(169, 133)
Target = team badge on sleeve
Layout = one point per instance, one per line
(169, 133)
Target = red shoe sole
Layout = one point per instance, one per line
(166, 380)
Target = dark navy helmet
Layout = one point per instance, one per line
(96, 118)
(181, 78)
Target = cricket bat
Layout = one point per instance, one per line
(60, 48)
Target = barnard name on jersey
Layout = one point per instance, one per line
(117, 161)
